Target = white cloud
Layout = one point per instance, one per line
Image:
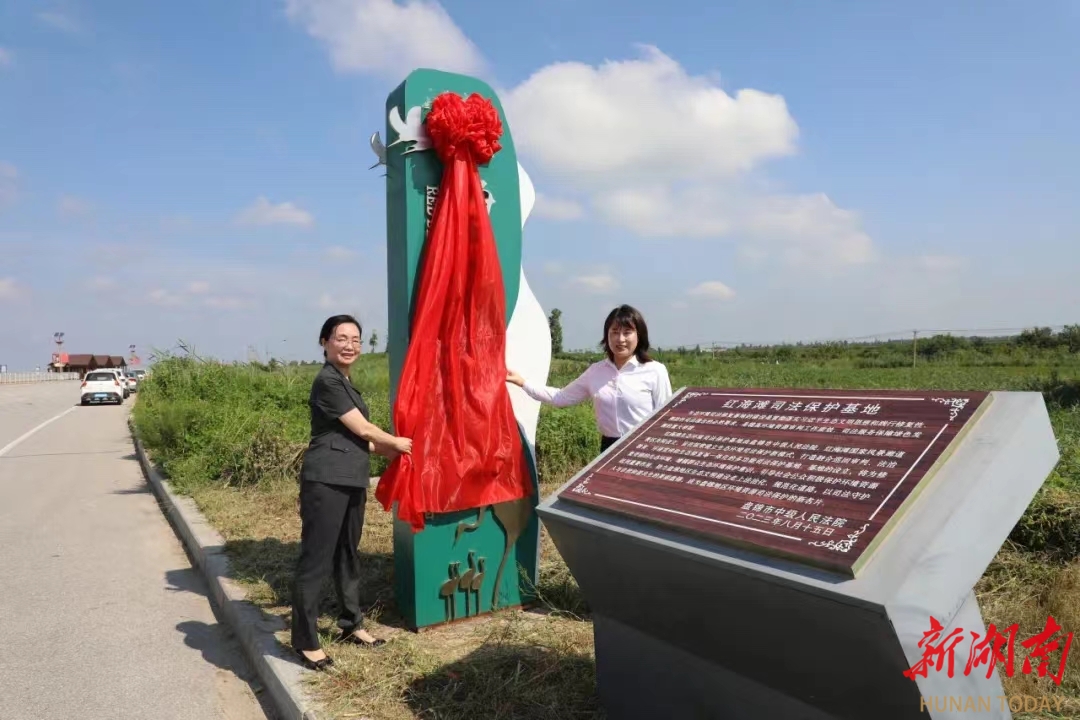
(275, 294)
(350, 304)
(659, 151)
(808, 229)
(71, 206)
(557, 208)
(553, 268)
(100, 283)
(602, 283)
(64, 22)
(338, 252)
(263, 212)
(712, 290)
(11, 290)
(5, 57)
(9, 184)
(198, 287)
(941, 263)
(385, 38)
(799, 229)
(659, 211)
(109, 253)
(663, 153)
(163, 297)
(644, 119)
(226, 302)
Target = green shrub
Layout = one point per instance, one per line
(566, 440)
(1051, 525)
(244, 425)
(265, 454)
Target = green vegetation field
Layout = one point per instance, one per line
(232, 437)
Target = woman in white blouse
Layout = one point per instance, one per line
(625, 388)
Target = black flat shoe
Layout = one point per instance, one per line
(351, 638)
(318, 665)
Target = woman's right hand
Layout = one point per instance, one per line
(515, 379)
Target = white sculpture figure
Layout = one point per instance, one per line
(378, 148)
(410, 130)
(528, 337)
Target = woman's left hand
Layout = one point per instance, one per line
(387, 451)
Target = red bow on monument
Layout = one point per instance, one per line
(452, 398)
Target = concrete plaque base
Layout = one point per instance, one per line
(688, 627)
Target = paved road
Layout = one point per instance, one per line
(101, 613)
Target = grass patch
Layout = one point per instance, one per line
(1025, 588)
(232, 437)
(524, 665)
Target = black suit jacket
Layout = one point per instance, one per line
(335, 455)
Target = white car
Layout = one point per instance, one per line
(121, 375)
(102, 386)
(125, 381)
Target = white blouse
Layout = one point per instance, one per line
(622, 399)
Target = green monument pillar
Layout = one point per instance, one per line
(448, 570)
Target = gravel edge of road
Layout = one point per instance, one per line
(279, 674)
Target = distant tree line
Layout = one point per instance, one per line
(1032, 342)
(982, 350)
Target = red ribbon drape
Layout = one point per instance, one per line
(452, 398)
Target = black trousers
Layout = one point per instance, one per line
(332, 518)
(606, 442)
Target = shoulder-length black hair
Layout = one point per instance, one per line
(331, 325)
(628, 317)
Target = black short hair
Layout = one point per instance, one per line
(331, 325)
(628, 317)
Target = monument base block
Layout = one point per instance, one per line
(675, 683)
(688, 626)
(449, 571)
(678, 684)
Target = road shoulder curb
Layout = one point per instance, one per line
(255, 630)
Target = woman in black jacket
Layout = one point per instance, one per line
(333, 494)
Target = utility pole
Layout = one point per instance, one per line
(58, 338)
(914, 343)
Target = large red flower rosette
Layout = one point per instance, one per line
(452, 398)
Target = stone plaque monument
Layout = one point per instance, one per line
(816, 476)
(785, 553)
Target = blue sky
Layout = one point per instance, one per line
(747, 171)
